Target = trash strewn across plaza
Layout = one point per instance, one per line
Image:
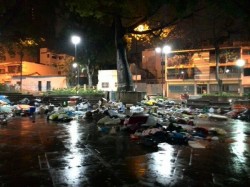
(150, 122)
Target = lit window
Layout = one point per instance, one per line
(105, 85)
(2, 71)
(12, 69)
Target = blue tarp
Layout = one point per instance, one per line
(4, 99)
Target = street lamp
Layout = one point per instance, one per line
(164, 51)
(75, 65)
(240, 63)
(76, 40)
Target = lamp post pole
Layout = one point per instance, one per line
(162, 74)
(75, 65)
(240, 63)
(164, 51)
(76, 40)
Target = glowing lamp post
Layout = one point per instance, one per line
(76, 40)
(240, 63)
(75, 65)
(163, 51)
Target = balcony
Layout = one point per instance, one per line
(176, 76)
(222, 76)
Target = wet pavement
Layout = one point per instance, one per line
(46, 153)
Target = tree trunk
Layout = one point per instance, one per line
(90, 81)
(217, 60)
(124, 75)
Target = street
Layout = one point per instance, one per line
(45, 153)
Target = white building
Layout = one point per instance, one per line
(40, 83)
(107, 80)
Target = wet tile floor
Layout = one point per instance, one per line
(45, 153)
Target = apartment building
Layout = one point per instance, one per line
(194, 71)
(62, 62)
(52, 69)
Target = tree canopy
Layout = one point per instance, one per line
(28, 19)
(125, 16)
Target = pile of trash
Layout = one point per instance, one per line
(156, 121)
(150, 122)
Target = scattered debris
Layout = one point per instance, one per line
(150, 122)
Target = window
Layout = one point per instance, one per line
(47, 55)
(2, 71)
(246, 51)
(246, 71)
(39, 85)
(105, 85)
(181, 89)
(214, 88)
(48, 86)
(12, 69)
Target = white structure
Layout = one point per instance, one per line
(107, 80)
(40, 83)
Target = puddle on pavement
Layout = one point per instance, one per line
(75, 158)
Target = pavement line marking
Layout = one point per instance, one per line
(47, 162)
(103, 162)
(97, 151)
(178, 153)
(191, 157)
(106, 164)
(42, 162)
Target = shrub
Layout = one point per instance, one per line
(75, 91)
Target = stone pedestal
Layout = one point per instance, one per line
(130, 97)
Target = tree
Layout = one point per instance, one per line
(125, 16)
(96, 49)
(27, 20)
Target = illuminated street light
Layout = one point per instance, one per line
(240, 63)
(76, 40)
(75, 65)
(163, 51)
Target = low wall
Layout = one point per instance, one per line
(130, 97)
(59, 99)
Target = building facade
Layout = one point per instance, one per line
(10, 69)
(50, 73)
(62, 62)
(39, 83)
(194, 71)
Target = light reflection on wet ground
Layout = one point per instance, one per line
(75, 158)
